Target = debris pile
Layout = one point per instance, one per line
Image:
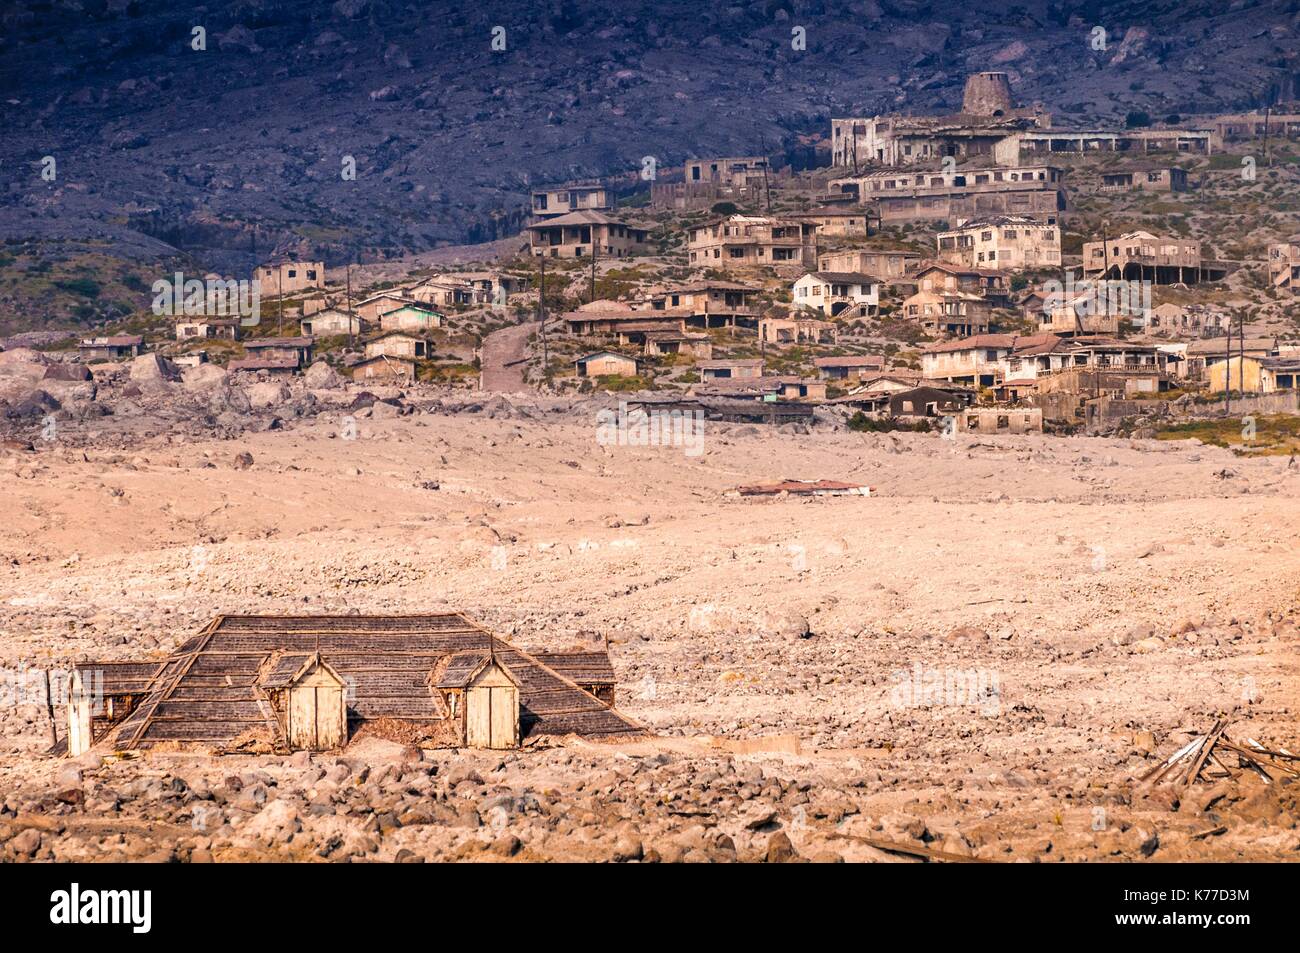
(1216, 757)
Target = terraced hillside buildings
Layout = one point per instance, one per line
(1002, 243)
(753, 241)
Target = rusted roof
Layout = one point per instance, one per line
(805, 488)
(583, 667)
(853, 360)
(117, 678)
(256, 343)
(213, 689)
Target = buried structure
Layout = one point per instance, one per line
(286, 683)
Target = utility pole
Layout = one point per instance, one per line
(541, 316)
(1241, 358)
(1227, 370)
(594, 251)
(279, 279)
(351, 341)
(1268, 110)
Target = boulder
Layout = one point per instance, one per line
(321, 376)
(203, 376)
(153, 368)
(267, 394)
(23, 355)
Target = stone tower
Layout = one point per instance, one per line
(987, 94)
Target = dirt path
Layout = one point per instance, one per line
(503, 357)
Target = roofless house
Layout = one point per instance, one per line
(291, 683)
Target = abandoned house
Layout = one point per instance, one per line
(923, 401)
(1255, 375)
(774, 388)
(1036, 192)
(1284, 265)
(849, 367)
(372, 307)
(443, 291)
(977, 361)
(698, 346)
(583, 197)
(1203, 354)
(1167, 178)
(581, 234)
(295, 351)
(999, 420)
(753, 241)
(943, 276)
(384, 367)
(1141, 256)
(331, 322)
(399, 344)
(411, 317)
(112, 348)
(796, 330)
(254, 684)
(836, 221)
(606, 364)
(1028, 143)
(1002, 243)
(882, 264)
(706, 182)
(709, 303)
(729, 369)
(837, 293)
(200, 329)
(286, 277)
(949, 313)
(612, 317)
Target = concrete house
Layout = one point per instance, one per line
(1145, 178)
(988, 117)
(411, 317)
(941, 276)
(836, 221)
(276, 684)
(855, 367)
(606, 364)
(709, 303)
(698, 346)
(399, 344)
(999, 420)
(1036, 192)
(949, 313)
(203, 329)
(286, 276)
(385, 368)
(836, 293)
(444, 291)
(884, 264)
(729, 369)
(275, 355)
(112, 348)
(1255, 375)
(753, 241)
(793, 329)
(577, 234)
(331, 322)
(585, 197)
(978, 361)
(1284, 265)
(1002, 243)
(369, 309)
(1141, 256)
